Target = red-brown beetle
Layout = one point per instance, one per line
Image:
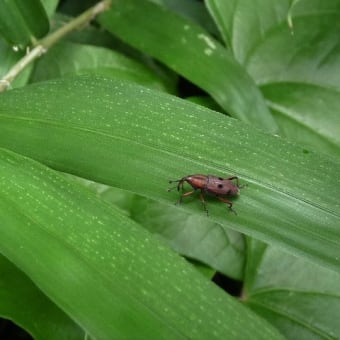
(214, 185)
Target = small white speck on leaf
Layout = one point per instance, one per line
(207, 40)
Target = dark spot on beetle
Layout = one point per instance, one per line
(220, 186)
(220, 178)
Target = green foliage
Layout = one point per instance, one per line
(95, 253)
(22, 22)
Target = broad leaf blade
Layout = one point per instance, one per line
(190, 235)
(22, 302)
(292, 293)
(137, 139)
(22, 22)
(307, 113)
(67, 59)
(99, 266)
(243, 23)
(191, 52)
(291, 49)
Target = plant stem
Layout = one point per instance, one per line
(44, 44)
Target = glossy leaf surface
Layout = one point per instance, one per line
(22, 22)
(94, 263)
(291, 50)
(137, 139)
(190, 51)
(22, 302)
(300, 298)
(68, 59)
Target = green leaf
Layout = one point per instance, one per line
(301, 299)
(50, 6)
(193, 10)
(22, 22)
(67, 59)
(260, 17)
(137, 139)
(291, 49)
(192, 236)
(309, 113)
(192, 52)
(22, 302)
(98, 266)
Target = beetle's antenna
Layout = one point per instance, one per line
(174, 181)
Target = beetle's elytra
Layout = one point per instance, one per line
(216, 186)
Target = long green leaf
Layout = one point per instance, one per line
(300, 298)
(22, 302)
(98, 266)
(67, 59)
(244, 23)
(189, 50)
(291, 50)
(200, 239)
(22, 22)
(137, 139)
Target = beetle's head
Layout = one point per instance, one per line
(234, 190)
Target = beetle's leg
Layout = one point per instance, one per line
(203, 202)
(180, 185)
(224, 200)
(184, 195)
